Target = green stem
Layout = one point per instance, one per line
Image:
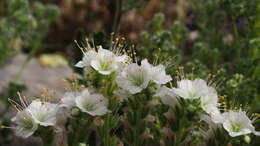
(47, 135)
(137, 124)
(106, 131)
(35, 48)
(238, 52)
(117, 16)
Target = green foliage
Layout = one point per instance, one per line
(210, 51)
(227, 45)
(162, 41)
(24, 25)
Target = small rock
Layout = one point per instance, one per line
(35, 76)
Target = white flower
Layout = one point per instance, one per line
(167, 96)
(198, 89)
(44, 113)
(87, 58)
(209, 103)
(156, 73)
(103, 61)
(216, 116)
(237, 123)
(25, 124)
(92, 103)
(212, 126)
(191, 89)
(133, 78)
(122, 62)
(68, 99)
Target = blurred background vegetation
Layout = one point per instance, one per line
(221, 37)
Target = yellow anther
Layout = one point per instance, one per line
(82, 49)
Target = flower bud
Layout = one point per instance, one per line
(98, 122)
(149, 118)
(147, 134)
(75, 112)
(247, 139)
(191, 108)
(167, 132)
(169, 115)
(82, 144)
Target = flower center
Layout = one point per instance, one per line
(137, 80)
(27, 123)
(105, 65)
(89, 107)
(236, 127)
(41, 117)
(193, 95)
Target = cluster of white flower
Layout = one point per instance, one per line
(87, 101)
(192, 90)
(131, 78)
(43, 113)
(236, 123)
(30, 116)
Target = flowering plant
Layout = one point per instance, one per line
(120, 100)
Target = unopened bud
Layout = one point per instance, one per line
(149, 118)
(147, 134)
(191, 108)
(82, 144)
(169, 115)
(75, 112)
(167, 132)
(98, 122)
(247, 139)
